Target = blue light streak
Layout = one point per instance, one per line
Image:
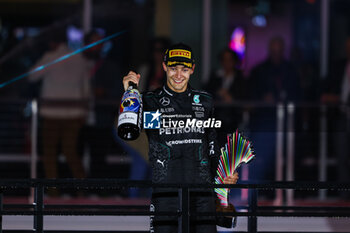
(64, 57)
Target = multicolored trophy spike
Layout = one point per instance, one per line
(237, 150)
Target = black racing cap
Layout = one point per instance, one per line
(179, 54)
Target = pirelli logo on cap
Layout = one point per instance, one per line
(180, 53)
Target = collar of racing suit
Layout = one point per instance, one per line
(172, 93)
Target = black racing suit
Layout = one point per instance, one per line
(182, 155)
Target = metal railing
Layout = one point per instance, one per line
(285, 113)
(252, 211)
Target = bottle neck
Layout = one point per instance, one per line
(132, 86)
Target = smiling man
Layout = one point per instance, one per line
(182, 154)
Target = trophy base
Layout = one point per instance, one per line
(225, 221)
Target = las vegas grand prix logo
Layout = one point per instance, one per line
(154, 120)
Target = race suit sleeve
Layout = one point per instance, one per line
(214, 148)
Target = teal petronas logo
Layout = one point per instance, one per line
(196, 99)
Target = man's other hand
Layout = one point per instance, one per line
(232, 179)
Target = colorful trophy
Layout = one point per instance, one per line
(237, 150)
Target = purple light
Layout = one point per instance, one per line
(259, 21)
(237, 42)
(74, 34)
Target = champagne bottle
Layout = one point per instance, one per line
(130, 113)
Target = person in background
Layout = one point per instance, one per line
(273, 81)
(105, 96)
(152, 70)
(228, 85)
(63, 96)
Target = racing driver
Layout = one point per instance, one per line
(181, 153)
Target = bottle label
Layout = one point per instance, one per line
(131, 101)
(127, 117)
(130, 108)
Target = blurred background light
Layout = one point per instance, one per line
(311, 1)
(75, 37)
(259, 21)
(238, 42)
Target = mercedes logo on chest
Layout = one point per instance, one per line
(165, 101)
